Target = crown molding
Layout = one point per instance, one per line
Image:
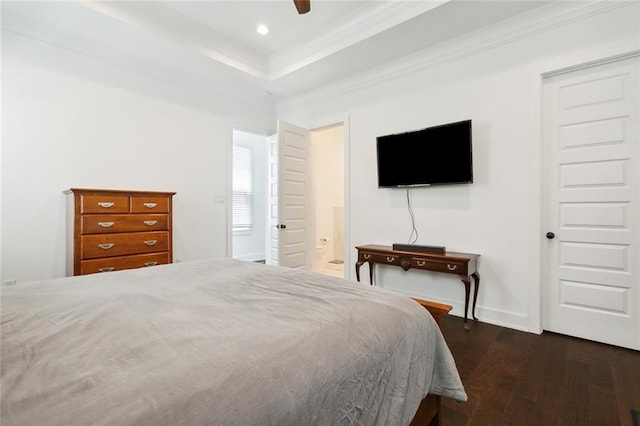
(594, 63)
(526, 25)
(352, 29)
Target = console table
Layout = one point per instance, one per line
(462, 264)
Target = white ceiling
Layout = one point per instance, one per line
(206, 42)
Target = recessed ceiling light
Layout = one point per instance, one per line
(262, 29)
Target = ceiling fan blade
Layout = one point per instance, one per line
(303, 6)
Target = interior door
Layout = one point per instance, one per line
(271, 252)
(591, 137)
(293, 227)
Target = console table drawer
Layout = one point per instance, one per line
(365, 257)
(449, 267)
(388, 259)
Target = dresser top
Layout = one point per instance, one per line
(93, 191)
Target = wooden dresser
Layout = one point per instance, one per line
(110, 230)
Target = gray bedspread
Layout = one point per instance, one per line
(220, 342)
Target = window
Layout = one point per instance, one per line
(242, 188)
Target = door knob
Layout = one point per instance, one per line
(281, 226)
(551, 235)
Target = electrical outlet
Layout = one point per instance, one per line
(9, 282)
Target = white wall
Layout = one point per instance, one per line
(70, 120)
(251, 245)
(498, 85)
(327, 157)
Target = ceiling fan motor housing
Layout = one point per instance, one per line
(303, 6)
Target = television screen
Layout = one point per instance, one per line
(432, 156)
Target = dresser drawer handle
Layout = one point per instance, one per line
(390, 258)
(107, 269)
(151, 242)
(106, 224)
(452, 268)
(366, 256)
(421, 263)
(150, 205)
(150, 263)
(105, 204)
(150, 222)
(106, 246)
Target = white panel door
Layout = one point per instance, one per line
(293, 227)
(271, 257)
(591, 138)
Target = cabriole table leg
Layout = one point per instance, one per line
(476, 277)
(467, 290)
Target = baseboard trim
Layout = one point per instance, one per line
(498, 317)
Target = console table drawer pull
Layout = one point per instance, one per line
(150, 222)
(107, 269)
(421, 263)
(366, 256)
(452, 268)
(150, 263)
(105, 204)
(150, 205)
(390, 259)
(151, 242)
(106, 224)
(106, 246)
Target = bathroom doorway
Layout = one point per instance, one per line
(327, 171)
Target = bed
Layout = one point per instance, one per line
(222, 342)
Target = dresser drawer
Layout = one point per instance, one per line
(450, 267)
(96, 246)
(105, 224)
(104, 204)
(123, 262)
(149, 204)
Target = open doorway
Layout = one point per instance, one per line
(327, 171)
(325, 191)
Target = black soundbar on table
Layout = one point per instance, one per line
(419, 248)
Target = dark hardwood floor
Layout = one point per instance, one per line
(517, 378)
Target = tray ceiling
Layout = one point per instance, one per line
(213, 41)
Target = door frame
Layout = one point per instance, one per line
(539, 153)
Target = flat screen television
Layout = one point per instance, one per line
(436, 155)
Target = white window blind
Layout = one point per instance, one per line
(242, 188)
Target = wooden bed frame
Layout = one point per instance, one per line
(428, 413)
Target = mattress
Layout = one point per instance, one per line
(221, 342)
